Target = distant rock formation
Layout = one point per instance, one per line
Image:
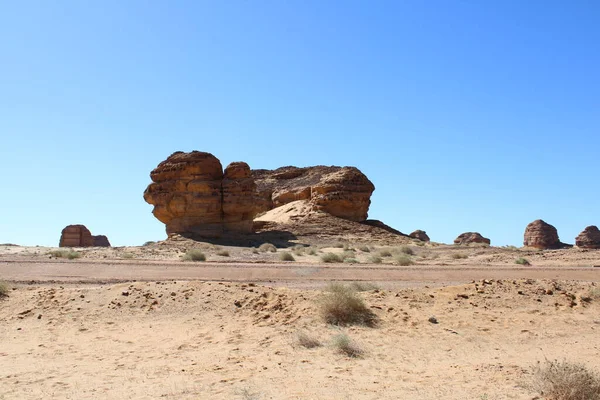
(541, 235)
(421, 235)
(100, 241)
(471, 237)
(589, 238)
(76, 236)
(192, 195)
(344, 192)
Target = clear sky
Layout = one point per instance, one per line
(466, 115)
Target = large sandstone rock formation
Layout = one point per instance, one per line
(541, 235)
(76, 236)
(419, 234)
(344, 192)
(100, 241)
(589, 238)
(191, 194)
(471, 237)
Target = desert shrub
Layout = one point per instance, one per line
(522, 261)
(312, 251)
(285, 256)
(594, 293)
(267, 247)
(459, 256)
(563, 380)
(3, 289)
(351, 261)
(70, 254)
(194, 255)
(223, 253)
(303, 339)
(420, 244)
(347, 254)
(407, 250)
(255, 250)
(375, 260)
(148, 243)
(364, 249)
(363, 286)
(342, 306)
(344, 345)
(403, 260)
(331, 258)
(339, 245)
(385, 253)
(127, 255)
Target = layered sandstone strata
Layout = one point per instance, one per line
(589, 238)
(76, 236)
(421, 235)
(471, 237)
(541, 235)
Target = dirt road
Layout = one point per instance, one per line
(288, 274)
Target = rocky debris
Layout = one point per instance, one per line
(100, 241)
(76, 236)
(344, 192)
(471, 237)
(541, 235)
(589, 238)
(421, 235)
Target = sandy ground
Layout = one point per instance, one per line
(184, 334)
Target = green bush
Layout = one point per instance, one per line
(331, 258)
(522, 261)
(267, 247)
(342, 306)
(285, 256)
(194, 255)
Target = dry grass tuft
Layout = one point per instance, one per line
(365, 249)
(303, 339)
(267, 247)
(223, 253)
(385, 253)
(331, 258)
(563, 380)
(342, 306)
(3, 289)
(194, 255)
(407, 250)
(522, 261)
(459, 256)
(403, 260)
(344, 345)
(285, 256)
(70, 254)
(375, 260)
(363, 286)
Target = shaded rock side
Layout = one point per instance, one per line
(76, 236)
(238, 198)
(421, 235)
(186, 193)
(471, 237)
(100, 241)
(344, 192)
(589, 238)
(541, 235)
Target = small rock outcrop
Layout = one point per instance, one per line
(192, 195)
(589, 238)
(421, 235)
(541, 235)
(100, 241)
(76, 236)
(344, 192)
(471, 237)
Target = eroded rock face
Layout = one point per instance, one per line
(471, 237)
(589, 238)
(541, 235)
(76, 236)
(421, 235)
(100, 241)
(192, 195)
(344, 192)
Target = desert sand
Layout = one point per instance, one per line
(139, 323)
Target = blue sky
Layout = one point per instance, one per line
(466, 115)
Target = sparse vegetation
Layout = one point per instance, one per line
(385, 253)
(69, 254)
(127, 255)
(285, 256)
(3, 289)
(403, 260)
(339, 245)
(407, 250)
(312, 251)
(343, 306)
(248, 394)
(347, 254)
(364, 249)
(255, 250)
(375, 260)
(305, 340)
(594, 293)
(267, 247)
(223, 253)
(351, 260)
(331, 258)
(563, 380)
(522, 261)
(459, 256)
(344, 345)
(194, 255)
(363, 286)
(148, 243)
